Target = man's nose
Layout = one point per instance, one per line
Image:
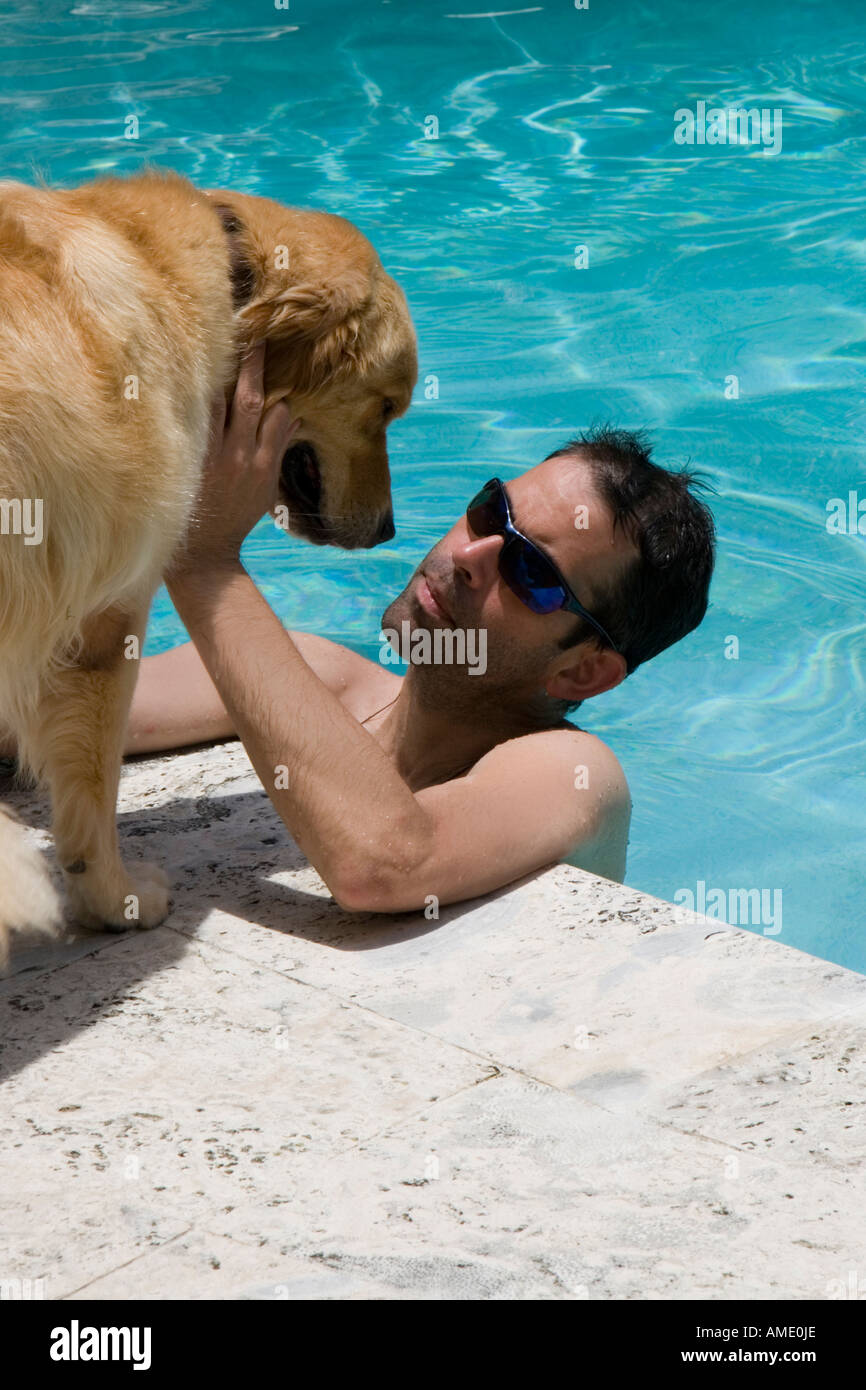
(478, 556)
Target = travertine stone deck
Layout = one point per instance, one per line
(570, 1090)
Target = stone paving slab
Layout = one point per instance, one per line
(568, 1090)
(804, 1099)
(516, 1191)
(586, 984)
(167, 1075)
(200, 1265)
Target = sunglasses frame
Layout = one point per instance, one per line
(570, 602)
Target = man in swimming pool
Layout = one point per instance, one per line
(441, 782)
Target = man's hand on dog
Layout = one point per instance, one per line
(240, 475)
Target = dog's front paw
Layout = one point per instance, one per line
(139, 900)
(150, 894)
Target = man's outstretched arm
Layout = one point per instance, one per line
(334, 788)
(176, 703)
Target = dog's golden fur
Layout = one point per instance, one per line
(117, 329)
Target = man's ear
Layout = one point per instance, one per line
(592, 673)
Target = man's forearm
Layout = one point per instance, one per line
(334, 788)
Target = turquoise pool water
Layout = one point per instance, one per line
(555, 130)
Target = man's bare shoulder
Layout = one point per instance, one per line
(561, 745)
(587, 789)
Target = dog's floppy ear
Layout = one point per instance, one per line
(315, 313)
(314, 327)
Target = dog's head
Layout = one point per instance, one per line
(340, 350)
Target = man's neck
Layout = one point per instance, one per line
(431, 743)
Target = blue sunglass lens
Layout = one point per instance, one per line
(531, 578)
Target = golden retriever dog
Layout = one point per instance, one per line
(125, 305)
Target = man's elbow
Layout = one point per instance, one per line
(375, 888)
(394, 880)
(361, 895)
(351, 893)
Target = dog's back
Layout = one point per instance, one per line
(103, 364)
(115, 333)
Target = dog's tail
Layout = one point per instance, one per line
(28, 901)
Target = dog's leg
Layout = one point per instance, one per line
(76, 745)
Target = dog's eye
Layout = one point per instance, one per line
(388, 407)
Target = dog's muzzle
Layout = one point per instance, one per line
(301, 489)
(301, 484)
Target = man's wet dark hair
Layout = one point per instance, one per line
(663, 594)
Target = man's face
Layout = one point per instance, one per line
(458, 585)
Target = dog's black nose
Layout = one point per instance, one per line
(386, 530)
